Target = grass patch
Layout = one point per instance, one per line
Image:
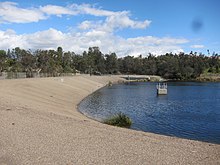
(119, 120)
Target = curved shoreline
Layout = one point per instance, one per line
(101, 120)
(77, 106)
(40, 124)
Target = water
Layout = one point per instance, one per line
(190, 109)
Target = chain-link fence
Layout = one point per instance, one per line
(19, 75)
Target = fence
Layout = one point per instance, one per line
(19, 75)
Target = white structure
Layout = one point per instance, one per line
(161, 89)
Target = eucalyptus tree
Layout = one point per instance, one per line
(96, 59)
(111, 63)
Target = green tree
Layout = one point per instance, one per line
(28, 62)
(127, 65)
(3, 57)
(68, 63)
(111, 63)
(96, 59)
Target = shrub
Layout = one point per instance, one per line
(119, 120)
(109, 83)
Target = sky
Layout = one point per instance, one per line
(126, 27)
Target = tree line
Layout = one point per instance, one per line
(171, 66)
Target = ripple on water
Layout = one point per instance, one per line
(190, 110)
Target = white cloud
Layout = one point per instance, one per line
(10, 12)
(88, 33)
(85, 25)
(48, 39)
(9, 39)
(197, 46)
(81, 41)
(57, 10)
(122, 20)
(88, 25)
(88, 9)
(114, 22)
(156, 41)
(155, 45)
(118, 20)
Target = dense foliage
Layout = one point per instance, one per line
(172, 66)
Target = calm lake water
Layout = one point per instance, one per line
(190, 109)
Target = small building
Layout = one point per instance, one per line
(162, 88)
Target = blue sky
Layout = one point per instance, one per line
(125, 27)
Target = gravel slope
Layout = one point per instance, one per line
(40, 124)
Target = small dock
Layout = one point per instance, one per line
(162, 88)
